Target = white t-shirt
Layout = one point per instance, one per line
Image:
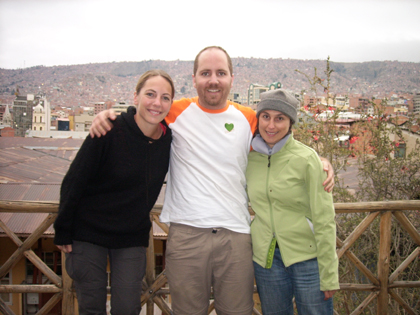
(209, 154)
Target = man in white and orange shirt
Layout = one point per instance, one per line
(206, 205)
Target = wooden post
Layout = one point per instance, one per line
(68, 296)
(150, 270)
(383, 262)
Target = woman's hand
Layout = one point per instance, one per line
(101, 124)
(65, 248)
(329, 181)
(329, 294)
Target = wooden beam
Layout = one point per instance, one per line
(4, 309)
(211, 307)
(68, 300)
(31, 240)
(408, 226)
(356, 233)
(164, 307)
(29, 288)
(43, 267)
(10, 233)
(400, 301)
(374, 206)
(154, 288)
(29, 206)
(163, 226)
(50, 304)
(359, 265)
(404, 265)
(150, 307)
(383, 261)
(358, 287)
(405, 284)
(365, 303)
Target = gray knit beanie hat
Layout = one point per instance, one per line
(281, 101)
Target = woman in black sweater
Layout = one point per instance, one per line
(106, 197)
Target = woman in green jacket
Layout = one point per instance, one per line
(293, 232)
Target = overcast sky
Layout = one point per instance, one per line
(65, 32)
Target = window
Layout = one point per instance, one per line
(6, 297)
(51, 259)
(158, 263)
(399, 150)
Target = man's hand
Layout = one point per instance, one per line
(101, 124)
(65, 248)
(329, 181)
(329, 294)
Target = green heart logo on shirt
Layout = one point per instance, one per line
(229, 127)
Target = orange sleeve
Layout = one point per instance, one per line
(249, 114)
(178, 107)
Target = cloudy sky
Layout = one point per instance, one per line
(65, 32)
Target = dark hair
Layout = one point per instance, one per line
(154, 73)
(213, 47)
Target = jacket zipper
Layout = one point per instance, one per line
(271, 249)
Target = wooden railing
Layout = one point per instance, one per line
(382, 287)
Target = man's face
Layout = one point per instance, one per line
(213, 79)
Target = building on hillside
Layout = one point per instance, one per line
(6, 118)
(6, 123)
(120, 107)
(359, 104)
(23, 113)
(83, 121)
(416, 104)
(236, 97)
(341, 102)
(255, 91)
(99, 106)
(63, 124)
(42, 114)
(38, 122)
(2, 110)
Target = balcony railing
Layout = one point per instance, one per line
(383, 287)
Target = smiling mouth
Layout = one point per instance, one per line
(154, 112)
(213, 91)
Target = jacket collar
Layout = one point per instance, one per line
(259, 145)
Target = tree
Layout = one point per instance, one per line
(383, 174)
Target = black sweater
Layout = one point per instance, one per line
(111, 186)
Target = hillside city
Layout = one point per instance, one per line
(46, 112)
(71, 91)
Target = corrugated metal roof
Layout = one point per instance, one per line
(24, 224)
(26, 165)
(30, 191)
(31, 169)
